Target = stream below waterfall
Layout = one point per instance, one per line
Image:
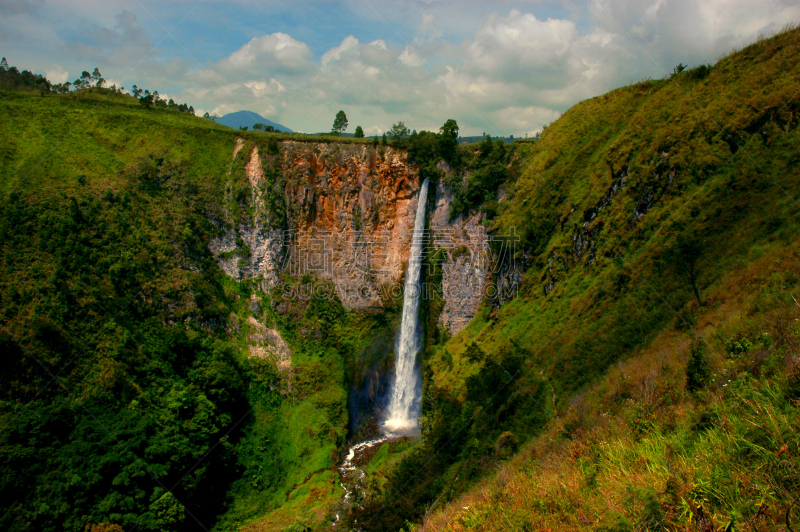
(352, 476)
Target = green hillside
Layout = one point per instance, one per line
(124, 346)
(653, 215)
(644, 375)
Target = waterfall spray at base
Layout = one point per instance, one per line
(404, 404)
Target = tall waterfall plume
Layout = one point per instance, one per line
(404, 404)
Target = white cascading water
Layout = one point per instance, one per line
(403, 410)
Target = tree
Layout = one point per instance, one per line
(423, 148)
(146, 100)
(4, 64)
(375, 141)
(486, 146)
(398, 132)
(340, 122)
(678, 69)
(448, 141)
(96, 77)
(84, 81)
(686, 254)
(136, 91)
(383, 140)
(62, 88)
(359, 134)
(166, 511)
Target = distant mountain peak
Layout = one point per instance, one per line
(249, 119)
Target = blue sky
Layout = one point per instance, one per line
(497, 67)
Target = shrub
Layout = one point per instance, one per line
(272, 146)
(699, 73)
(698, 369)
(737, 346)
(507, 444)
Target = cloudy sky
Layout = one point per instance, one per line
(501, 67)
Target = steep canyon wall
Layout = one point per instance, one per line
(349, 215)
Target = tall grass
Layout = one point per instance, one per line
(638, 451)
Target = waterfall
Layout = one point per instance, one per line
(404, 404)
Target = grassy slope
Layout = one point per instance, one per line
(144, 183)
(287, 453)
(713, 158)
(48, 141)
(714, 198)
(636, 451)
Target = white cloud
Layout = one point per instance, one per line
(349, 44)
(508, 71)
(526, 119)
(114, 82)
(123, 44)
(663, 33)
(411, 58)
(462, 84)
(520, 42)
(56, 74)
(274, 53)
(515, 74)
(262, 87)
(428, 28)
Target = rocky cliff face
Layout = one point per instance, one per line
(464, 270)
(350, 215)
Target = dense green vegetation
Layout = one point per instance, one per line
(12, 78)
(129, 396)
(488, 168)
(116, 388)
(632, 210)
